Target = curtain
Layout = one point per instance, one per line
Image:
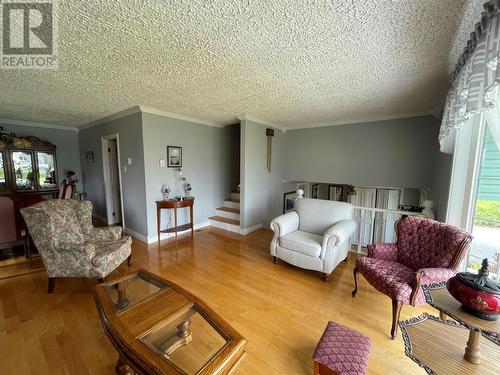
(475, 81)
(493, 123)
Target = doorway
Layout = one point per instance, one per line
(112, 179)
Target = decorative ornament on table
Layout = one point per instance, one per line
(479, 295)
(180, 180)
(187, 190)
(350, 190)
(72, 177)
(165, 189)
(427, 209)
(300, 194)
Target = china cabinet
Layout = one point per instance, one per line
(28, 166)
(28, 174)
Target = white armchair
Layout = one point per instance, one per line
(314, 236)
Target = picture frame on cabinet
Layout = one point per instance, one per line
(315, 191)
(336, 193)
(289, 201)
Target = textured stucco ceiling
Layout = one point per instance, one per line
(291, 63)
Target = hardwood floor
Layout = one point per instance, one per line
(281, 310)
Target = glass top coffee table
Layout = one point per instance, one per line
(159, 328)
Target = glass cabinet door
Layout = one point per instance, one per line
(22, 168)
(3, 179)
(46, 164)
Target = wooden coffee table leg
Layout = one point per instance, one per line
(472, 351)
(122, 368)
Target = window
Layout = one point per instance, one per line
(46, 170)
(486, 213)
(22, 167)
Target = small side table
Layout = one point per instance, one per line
(441, 299)
(174, 204)
(438, 346)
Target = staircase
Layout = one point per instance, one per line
(228, 217)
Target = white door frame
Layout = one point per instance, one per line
(464, 173)
(105, 171)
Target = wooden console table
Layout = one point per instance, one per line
(174, 204)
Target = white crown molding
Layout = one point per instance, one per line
(114, 116)
(8, 122)
(160, 112)
(366, 119)
(248, 117)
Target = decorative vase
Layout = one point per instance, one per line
(479, 295)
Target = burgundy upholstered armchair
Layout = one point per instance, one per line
(426, 252)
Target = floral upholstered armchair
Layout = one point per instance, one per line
(427, 252)
(69, 244)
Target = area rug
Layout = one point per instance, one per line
(438, 346)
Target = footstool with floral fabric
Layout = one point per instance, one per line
(341, 351)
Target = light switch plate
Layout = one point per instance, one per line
(162, 163)
(124, 169)
(129, 161)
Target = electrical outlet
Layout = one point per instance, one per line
(124, 169)
(129, 161)
(162, 163)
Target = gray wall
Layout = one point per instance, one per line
(262, 193)
(129, 129)
(207, 154)
(399, 153)
(441, 184)
(235, 152)
(68, 154)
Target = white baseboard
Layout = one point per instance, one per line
(163, 236)
(134, 234)
(245, 231)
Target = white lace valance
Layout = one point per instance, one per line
(474, 83)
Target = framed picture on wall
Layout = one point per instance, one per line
(174, 157)
(289, 201)
(89, 155)
(315, 191)
(335, 192)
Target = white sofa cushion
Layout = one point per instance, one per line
(303, 242)
(317, 215)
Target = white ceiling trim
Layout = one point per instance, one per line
(114, 116)
(7, 122)
(366, 119)
(160, 112)
(260, 121)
